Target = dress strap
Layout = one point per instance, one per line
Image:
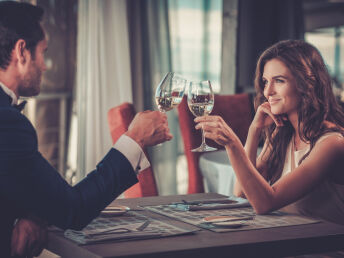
(292, 153)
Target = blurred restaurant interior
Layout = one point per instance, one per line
(103, 53)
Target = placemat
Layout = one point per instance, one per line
(123, 228)
(274, 219)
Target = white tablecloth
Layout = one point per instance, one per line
(217, 172)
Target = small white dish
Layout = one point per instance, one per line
(216, 219)
(231, 224)
(225, 221)
(117, 210)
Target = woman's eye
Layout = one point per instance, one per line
(279, 80)
(264, 82)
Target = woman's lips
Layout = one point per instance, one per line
(273, 101)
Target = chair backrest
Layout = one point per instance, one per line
(119, 119)
(236, 110)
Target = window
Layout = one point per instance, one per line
(195, 30)
(330, 42)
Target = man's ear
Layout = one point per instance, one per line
(21, 53)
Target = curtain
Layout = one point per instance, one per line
(103, 77)
(196, 28)
(105, 74)
(164, 37)
(150, 60)
(229, 46)
(261, 24)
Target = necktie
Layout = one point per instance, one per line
(21, 106)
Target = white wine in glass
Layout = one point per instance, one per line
(170, 92)
(201, 103)
(164, 103)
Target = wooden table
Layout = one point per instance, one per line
(272, 242)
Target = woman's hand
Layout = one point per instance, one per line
(264, 117)
(216, 129)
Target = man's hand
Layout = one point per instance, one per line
(149, 128)
(28, 238)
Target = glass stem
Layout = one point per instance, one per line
(162, 111)
(203, 138)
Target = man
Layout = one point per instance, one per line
(30, 187)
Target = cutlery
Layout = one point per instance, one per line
(119, 230)
(220, 201)
(110, 231)
(143, 226)
(231, 219)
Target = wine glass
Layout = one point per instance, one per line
(170, 92)
(201, 103)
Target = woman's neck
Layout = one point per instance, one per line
(294, 120)
(298, 143)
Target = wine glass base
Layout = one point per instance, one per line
(204, 148)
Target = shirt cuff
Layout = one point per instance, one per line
(133, 152)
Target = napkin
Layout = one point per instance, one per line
(92, 236)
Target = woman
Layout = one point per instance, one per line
(301, 165)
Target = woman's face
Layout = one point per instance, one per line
(280, 88)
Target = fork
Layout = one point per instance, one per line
(110, 231)
(121, 230)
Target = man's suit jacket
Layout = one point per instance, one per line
(29, 184)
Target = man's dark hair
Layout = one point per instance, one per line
(18, 21)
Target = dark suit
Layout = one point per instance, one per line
(29, 184)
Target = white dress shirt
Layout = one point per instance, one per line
(9, 93)
(127, 146)
(133, 152)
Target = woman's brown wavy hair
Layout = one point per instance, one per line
(318, 103)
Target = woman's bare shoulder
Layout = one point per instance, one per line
(330, 150)
(331, 140)
(332, 133)
(326, 157)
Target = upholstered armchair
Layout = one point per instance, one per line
(237, 110)
(119, 119)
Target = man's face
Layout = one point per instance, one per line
(30, 83)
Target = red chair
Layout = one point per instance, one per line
(119, 119)
(237, 110)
